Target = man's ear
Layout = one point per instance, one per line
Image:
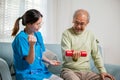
(87, 21)
(73, 21)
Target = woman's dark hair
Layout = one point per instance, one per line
(30, 16)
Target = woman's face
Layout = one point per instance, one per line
(35, 26)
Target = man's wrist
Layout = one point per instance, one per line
(74, 59)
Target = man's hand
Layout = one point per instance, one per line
(103, 75)
(76, 55)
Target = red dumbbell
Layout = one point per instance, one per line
(70, 53)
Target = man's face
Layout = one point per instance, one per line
(80, 23)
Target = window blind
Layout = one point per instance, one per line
(10, 10)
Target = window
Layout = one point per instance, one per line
(8, 13)
(10, 10)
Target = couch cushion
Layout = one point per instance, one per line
(56, 48)
(50, 55)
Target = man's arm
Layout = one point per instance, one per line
(96, 55)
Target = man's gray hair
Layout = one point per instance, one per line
(81, 12)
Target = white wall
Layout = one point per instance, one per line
(104, 22)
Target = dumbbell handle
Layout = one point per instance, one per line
(70, 53)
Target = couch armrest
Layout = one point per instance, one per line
(4, 70)
(113, 70)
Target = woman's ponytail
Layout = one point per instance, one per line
(16, 27)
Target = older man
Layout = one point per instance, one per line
(78, 39)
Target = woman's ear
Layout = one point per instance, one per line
(29, 24)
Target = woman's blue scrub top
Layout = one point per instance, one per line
(25, 71)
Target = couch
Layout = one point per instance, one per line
(4, 70)
(53, 51)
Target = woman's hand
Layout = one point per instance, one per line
(103, 75)
(32, 40)
(54, 62)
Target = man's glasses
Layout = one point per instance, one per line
(79, 23)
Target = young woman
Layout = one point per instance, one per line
(28, 48)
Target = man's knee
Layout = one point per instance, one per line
(106, 78)
(69, 75)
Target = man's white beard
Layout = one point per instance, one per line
(78, 33)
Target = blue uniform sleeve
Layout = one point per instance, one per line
(21, 49)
